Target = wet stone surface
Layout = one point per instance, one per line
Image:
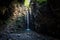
(24, 35)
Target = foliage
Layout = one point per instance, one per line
(40, 1)
(26, 3)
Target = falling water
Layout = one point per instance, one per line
(27, 3)
(27, 18)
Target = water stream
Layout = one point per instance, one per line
(26, 4)
(27, 20)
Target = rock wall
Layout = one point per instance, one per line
(45, 19)
(13, 17)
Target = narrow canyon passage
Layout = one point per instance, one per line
(23, 33)
(29, 20)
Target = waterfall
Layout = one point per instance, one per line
(26, 4)
(27, 19)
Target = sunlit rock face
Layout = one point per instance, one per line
(17, 20)
(13, 16)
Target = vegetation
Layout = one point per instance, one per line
(40, 1)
